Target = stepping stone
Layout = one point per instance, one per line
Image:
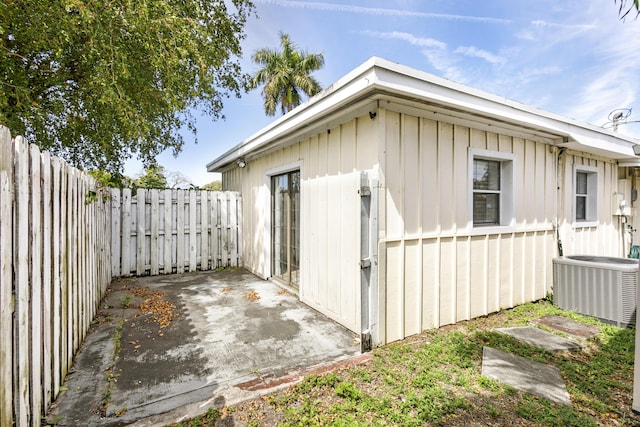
(525, 375)
(542, 339)
(568, 326)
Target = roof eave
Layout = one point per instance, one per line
(351, 86)
(381, 76)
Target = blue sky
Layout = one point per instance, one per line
(571, 57)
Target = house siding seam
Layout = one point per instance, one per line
(434, 256)
(434, 267)
(330, 204)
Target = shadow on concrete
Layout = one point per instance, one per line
(165, 348)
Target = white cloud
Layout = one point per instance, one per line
(474, 52)
(435, 51)
(553, 33)
(398, 35)
(445, 63)
(611, 79)
(526, 34)
(604, 93)
(574, 27)
(335, 7)
(527, 75)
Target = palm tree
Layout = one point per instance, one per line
(285, 74)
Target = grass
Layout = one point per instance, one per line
(125, 300)
(110, 375)
(435, 379)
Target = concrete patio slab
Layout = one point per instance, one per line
(227, 336)
(525, 375)
(543, 339)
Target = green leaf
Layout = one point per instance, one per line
(100, 82)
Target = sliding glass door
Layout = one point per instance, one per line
(285, 227)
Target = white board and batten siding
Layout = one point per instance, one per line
(603, 239)
(330, 164)
(330, 238)
(437, 268)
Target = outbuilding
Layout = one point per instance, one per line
(396, 201)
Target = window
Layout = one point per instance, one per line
(586, 195)
(581, 196)
(486, 192)
(491, 186)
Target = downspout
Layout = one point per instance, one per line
(629, 220)
(561, 151)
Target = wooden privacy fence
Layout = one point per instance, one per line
(55, 266)
(173, 231)
(59, 249)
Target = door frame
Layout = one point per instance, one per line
(289, 167)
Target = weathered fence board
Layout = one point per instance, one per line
(56, 249)
(62, 240)
(180, 233)
(153, 243)
(6, 301)
(47, 278)
(115, 225)
(176, 231)
(23, 281)
(35, 328)
(167, 246)
(52, 276)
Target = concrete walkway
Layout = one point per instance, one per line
(185, 343)
(188, 342)
(527, 375)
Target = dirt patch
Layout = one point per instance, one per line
(434, 379)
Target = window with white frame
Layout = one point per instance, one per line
(491, 188)
(585, 195)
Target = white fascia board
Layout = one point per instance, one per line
(629, 163)
(603, 144)
(378, 74)
(582, 137)
(331, 98)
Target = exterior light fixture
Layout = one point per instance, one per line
(241, 162)
(636, 150)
